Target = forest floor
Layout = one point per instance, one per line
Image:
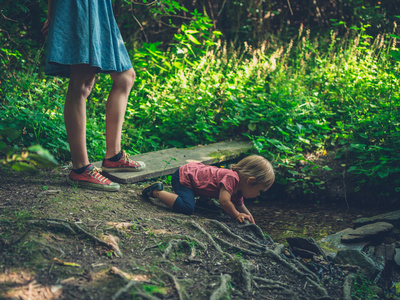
(59, 242)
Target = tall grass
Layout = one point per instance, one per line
(296, 103)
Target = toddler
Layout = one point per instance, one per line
(245, 179)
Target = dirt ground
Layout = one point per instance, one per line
(59, 242)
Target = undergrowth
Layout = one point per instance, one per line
(296, 103)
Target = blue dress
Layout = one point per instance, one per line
(84, 32)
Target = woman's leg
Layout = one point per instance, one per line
(79, 88)
(115, 109)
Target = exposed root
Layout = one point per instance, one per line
(176, 284)
(347, 286)
(271, 254)
(246, 276)
(209, 237)
(53, 223)
(222, 291)
(237, 248)
(110, 244)
(273, 285)
(319, 288)
(227, 231)
(257, 231)
(172, 244)
(52, 247)
(194, 240)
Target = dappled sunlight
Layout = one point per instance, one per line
(23, 285)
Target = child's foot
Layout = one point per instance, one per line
(148, 191)
(122, 163)
(92, 179)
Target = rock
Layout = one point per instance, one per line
(354, 257)
(385, 251)
(302, 252)
(309, 246)
(366, 232)
(332, 243)
(391, 217)
(397, 256)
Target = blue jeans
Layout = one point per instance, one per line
(185, 202)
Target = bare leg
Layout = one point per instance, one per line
(166, 197)
(79, 88)
(115, 109)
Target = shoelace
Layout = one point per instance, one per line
(95, 173)
(126, 158)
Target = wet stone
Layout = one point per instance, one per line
(391, 217)
(367, 232)
(354, 257)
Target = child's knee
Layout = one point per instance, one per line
(183, 207)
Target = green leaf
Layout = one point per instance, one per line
(24, 167)
(395, 54)
(43, 157)
(383, 173)
(10, 133)
(193, 39)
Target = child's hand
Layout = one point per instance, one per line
(241, 217)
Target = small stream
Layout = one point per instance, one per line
(282, 220)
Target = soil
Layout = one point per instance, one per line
(60, 242)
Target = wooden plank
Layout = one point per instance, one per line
(165, 162)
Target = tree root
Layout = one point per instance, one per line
(109, 245)
(74, 228)
(237, 248)
(271, 254)
(226, 230)
(246, 276)
(209, 237)
(257, 231)
(273, 285)
(347, 286)
(54, 223)
(176, 284)
(194, 240)
(222, 290)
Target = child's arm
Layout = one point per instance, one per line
(242, 208)
(229, 208)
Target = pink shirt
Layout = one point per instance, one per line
(206, 181)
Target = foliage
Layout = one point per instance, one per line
(297, 101)
(362, 289)
(28, 161)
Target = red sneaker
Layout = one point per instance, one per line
(123, 165)
(92, 179)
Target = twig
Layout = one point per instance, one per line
(290, 7)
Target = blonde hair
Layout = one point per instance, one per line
(258, 167)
